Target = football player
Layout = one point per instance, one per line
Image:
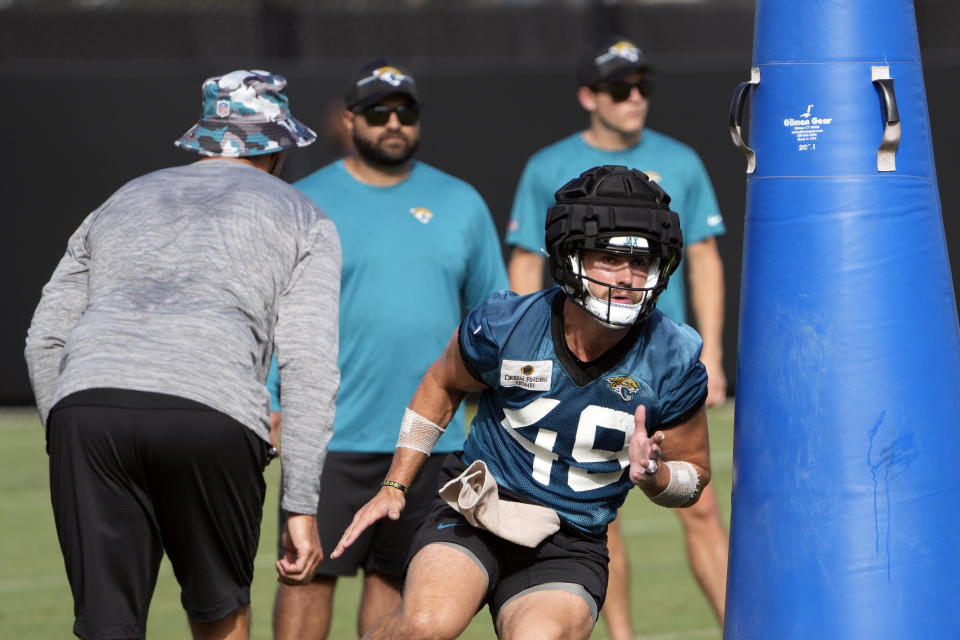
(588, 390)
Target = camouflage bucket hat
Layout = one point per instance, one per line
(245, 113)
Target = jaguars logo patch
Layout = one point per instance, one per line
(624, 386)
(422, 214)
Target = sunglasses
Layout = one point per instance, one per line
(379, 115)
(620, 91)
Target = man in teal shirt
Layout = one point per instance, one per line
(615, 84)
(419, 245)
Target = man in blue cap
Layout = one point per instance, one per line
(417, 244)
(148, 354)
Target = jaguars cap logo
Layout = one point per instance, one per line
(390, 75)
(622, 49)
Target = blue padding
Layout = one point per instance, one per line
(835, 31)
(827, 120)
(845, 522)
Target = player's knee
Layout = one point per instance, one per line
(549, 628)
(436, 624)
(545, 615)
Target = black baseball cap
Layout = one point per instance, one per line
(609, 59)
(378, 79)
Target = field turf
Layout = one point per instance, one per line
(35, 598)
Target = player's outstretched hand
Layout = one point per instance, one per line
(388, 502)
(644, 452)
(301, 549)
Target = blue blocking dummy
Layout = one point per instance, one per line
(846, 495)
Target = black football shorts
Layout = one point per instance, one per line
(349, 480)
(134, 475)
(569, 560)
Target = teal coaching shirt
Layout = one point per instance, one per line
(415, 256)
(671, 164)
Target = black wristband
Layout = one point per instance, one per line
(395, 485)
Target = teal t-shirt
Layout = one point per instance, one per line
(415, 256)
(671, 164)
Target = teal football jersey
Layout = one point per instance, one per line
(556, 430)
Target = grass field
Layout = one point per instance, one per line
(35, 599)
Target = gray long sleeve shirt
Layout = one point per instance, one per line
(184, 282)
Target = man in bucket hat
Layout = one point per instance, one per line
(245, 113)
(148, 354)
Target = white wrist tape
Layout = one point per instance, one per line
(418, 433)
(683, 485)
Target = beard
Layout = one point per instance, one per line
(373, 153)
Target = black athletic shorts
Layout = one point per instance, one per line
(349, 480)
(134, 475)
(570, 559)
